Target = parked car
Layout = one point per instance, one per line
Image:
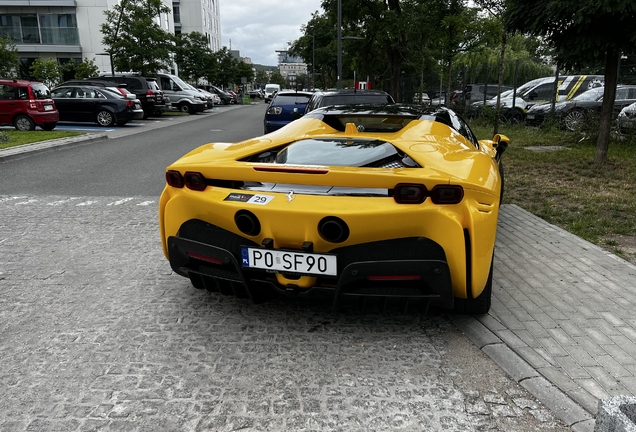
(575, 113)
(342, 202)
(421, 98)
(181, 96)
(96, 105)
(438, 99)
(256, 94)
(347, 97)
(541, 90)
(27, 104)
(119, 87)
(233, 94)
(287, 106)
(145, 88)
(627, 119)
(478, 93)
(209, 97)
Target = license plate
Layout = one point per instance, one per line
(289, 261)
(48, 107)
(137, 106)
(530, 116)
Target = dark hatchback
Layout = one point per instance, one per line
(284, 108)
(95, 104)
(575, 113)
(348, 97)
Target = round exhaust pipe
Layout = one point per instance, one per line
(333, 229)
(247, 222)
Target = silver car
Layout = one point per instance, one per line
(627, 119)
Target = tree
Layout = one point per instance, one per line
(193, 55)
(261, 77)
(48, 71)
(582, 33)
(9, 60)
(134, 38)
(276, 78)
(243, 70)
(85, 69)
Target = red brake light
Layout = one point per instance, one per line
(275, 110)
(408, 193)
(150, 93)
(174, 179)
(130, 103)
(195, 181)
(31, 94)
(447, 194)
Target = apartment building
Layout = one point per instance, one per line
(70, 30)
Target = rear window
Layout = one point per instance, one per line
(291, 99)
(355, 99)
(336, 152)
(40, 91)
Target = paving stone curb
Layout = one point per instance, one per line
(25, 150)
(522, 372)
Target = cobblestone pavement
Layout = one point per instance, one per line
(97, 333)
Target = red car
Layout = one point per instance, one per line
(26, 104)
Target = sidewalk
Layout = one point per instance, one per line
(562, 321)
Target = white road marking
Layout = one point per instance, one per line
(121, 201)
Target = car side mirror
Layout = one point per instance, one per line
(295, 114)
(500, 144)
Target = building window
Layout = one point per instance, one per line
(176, 12)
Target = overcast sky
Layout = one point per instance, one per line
(257, 28)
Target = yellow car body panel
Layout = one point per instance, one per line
(445, 157)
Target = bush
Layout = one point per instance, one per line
(4, 137)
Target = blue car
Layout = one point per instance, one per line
(285, 107)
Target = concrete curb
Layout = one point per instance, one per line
(26, 150)
(522, 372)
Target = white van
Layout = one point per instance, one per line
(270, 89)
(181, 96)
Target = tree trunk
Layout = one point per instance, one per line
(504, 39)
(607, 110)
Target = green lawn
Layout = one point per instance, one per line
(17, 138)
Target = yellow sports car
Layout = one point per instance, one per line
(388, 201)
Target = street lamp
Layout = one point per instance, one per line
(340, 39)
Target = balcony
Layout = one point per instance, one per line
(41, 35)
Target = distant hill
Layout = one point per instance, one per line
(265, 67)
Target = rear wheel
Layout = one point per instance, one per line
(479, 305)
(105, 118)
(49, 126)
(24, 123)
(574, 120)
(185, 108)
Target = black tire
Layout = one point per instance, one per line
(515, 117)
(479, 305)
(105, 118)
(501, 174)
(24, 123)
(185, 108)
(574, 120)
(49, 126)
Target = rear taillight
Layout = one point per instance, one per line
(150, 94)
(174, 179)
(275, 110)
(31, 93)
(195, 181)
(407, 193)
(130, 104)
(447, 194)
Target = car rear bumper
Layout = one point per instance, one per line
(45, 117)
(413, 268)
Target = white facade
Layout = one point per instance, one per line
(71, 29)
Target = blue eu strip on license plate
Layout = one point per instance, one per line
(289, 261)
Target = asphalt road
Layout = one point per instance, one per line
(134, 161)
(97, 332)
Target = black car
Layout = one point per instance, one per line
(575, 113)
(95, 104)
(146, 89)
(347, 97)
(225, 97)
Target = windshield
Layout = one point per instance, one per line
(180, 82)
